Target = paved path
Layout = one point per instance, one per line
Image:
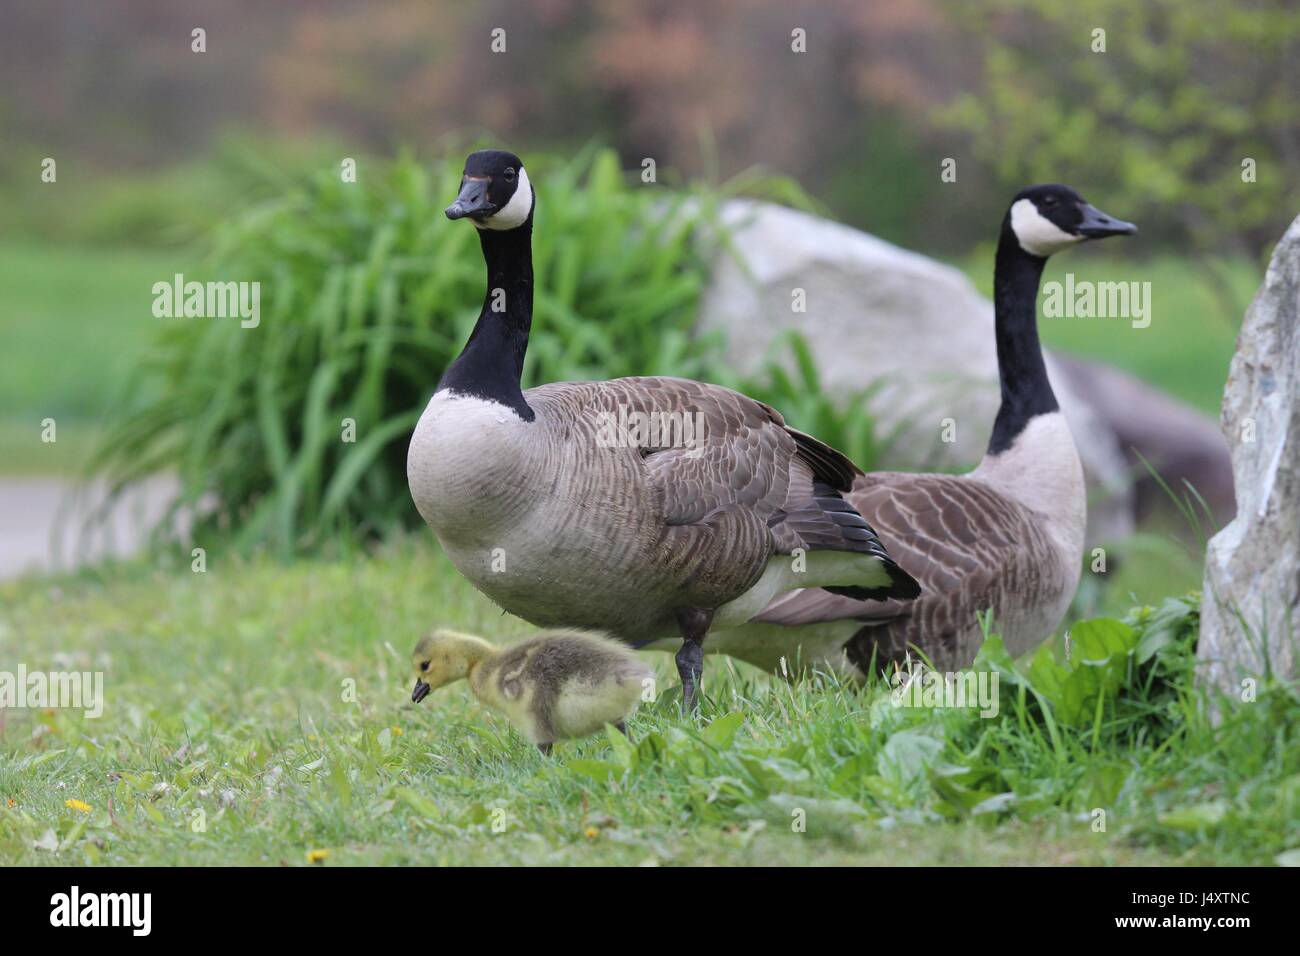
(41, 522)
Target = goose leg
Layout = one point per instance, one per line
(622, 728)
(545, 749)
(694, 623)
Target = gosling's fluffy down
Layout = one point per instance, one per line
(555, 686)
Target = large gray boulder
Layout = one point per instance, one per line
(920, 333)
(1250, 615)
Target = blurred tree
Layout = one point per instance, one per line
(1159, 123)
(704, 89)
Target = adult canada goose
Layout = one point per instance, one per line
(1008, 536)
(696, 516)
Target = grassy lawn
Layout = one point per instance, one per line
(257, 712)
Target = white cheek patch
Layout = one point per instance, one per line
(513, 213)
(1038, 236)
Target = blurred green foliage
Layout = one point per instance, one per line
(166, 207)
(1157, 126)
(368, 292)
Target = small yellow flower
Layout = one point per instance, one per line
(77, 805)
(317, 856)
(397, 731)
(591, 833)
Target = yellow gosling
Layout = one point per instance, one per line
(558, 685)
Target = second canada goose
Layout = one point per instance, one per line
(1008, 536)
(647, 508)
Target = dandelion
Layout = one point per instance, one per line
(317, 856)
(591, 833)
(77, 805)
(397, 731)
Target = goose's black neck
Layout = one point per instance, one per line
(492, 362)
(1026, 392)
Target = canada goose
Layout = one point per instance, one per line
(1008, 536)
(696, 516)
(555, 686)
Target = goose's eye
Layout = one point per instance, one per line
(510, 174)
(1049, 200)
(424, 666)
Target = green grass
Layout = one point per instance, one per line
(1190, 341)
(227, 695)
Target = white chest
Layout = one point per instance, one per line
(468, 465)
(1041, 471)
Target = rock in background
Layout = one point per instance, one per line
(1250, 616)
(918, 329)
(1177, 440)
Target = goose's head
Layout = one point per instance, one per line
(1046, 219)
(442, 657)
(494, 191)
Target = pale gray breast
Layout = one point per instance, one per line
(471, 467)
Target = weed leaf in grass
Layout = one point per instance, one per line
(624, 752)
(602, 771)
(422, 805)
(907, 757)
(1195, 818)
(1100, 658)
(722, 731)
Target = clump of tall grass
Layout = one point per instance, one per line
(368, 292)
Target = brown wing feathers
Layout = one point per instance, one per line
(969, 546)
(751, 457)
(829, 466)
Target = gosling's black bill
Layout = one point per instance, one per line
(420, 692)
(1097, 225)
(473, 199)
